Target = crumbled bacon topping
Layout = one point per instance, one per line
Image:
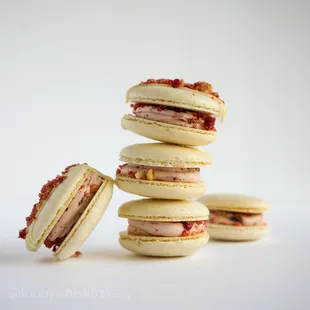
(200, 86)
(43, 195)
(188, 225)
(119, 169)
(194, 227)
(22, 233)
(55, 244)
(77, 254)
(209, 123)
(131, 174)
(49, 186)
(68, 168)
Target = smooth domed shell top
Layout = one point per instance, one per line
(235, 202)
(165, 155)
(164, 210)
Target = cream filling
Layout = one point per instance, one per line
(187, 175)
(236, 219)
(76, 207)
(156, 113)
(165, 229)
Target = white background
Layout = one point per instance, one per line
(64, 69)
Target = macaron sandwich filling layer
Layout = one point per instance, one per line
(174, 116)
(72, 213)
(142, 172)
(166, 229)
(236, 218)
(75, 209)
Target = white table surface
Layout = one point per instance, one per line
(273, 273)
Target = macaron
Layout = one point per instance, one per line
(173, 111)
(69, 208)
(236, 217)
(164, 228)
(159, 170)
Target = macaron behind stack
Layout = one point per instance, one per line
(236, 217)
(164, 228)
(69, 208)
(160, 170)
(173, 111)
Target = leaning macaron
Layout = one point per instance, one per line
(159, 170)
(164, 227)
(236, 217)
(173, 111)
(69, 208)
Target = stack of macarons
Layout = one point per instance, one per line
(179, 115)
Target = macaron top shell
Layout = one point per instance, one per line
(164, 210)
(235, 202)
(181, 97)
(54, 206)
(165, 155)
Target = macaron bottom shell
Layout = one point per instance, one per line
(163, 246)
(235, 233)
(160, 189)
(87, 222)
(167, 132)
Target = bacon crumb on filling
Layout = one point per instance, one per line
(55, 244)
(43, 195)
(200, 86)
(194, 228)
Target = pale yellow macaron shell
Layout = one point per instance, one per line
(235, 203)
(161, 246)
(88, 220)
(180, 97)
(160, 189)
(237, 233)
(168, 133)
(54, 206)
(164, 210)
(165, 155)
